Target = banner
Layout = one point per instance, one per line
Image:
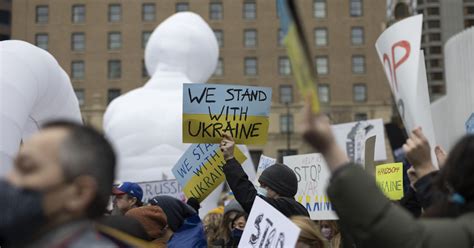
(398, 48)
(389, 178)
(209, 110)
(267, 227)
(352, 136)
(163, 187)
(313, 178)
(200, 170)
(264, 163)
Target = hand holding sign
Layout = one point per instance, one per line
(418, 152)
(227, 146)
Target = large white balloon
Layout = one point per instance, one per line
(33, 89)
(145, 125)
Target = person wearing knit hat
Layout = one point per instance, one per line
(153, 219)
(278, 183)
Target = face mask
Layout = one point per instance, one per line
(21, 213)
(262, 191)
(237, 233)
(326, 232)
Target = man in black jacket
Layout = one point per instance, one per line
(278, 181)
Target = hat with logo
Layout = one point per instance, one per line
(129, 188)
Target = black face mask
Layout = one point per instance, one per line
(237, 233)
(21, 213)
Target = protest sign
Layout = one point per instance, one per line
(267, 227)
(389, 178)
(200, 170)
(298, 51)
(163, 187)
(209, 110)
(398, 48)
(470, 124)
(369, 155)
(264, 163)
(313, 178)
(352, 136)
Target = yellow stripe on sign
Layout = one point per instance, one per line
(389, 178)
(209, 175)
(200, 128)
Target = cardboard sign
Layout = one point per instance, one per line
(200, 170)
(398, 48)
(389, 178)
(352, 136)
(264, 163)
(267, 227)
(209, 110)
(164, 187)
(298, 51)
(313, 178)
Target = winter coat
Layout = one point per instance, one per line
(190, 234)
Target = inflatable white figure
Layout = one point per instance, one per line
(145, 125)
(33, 89)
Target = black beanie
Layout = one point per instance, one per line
(281, 179)
(176, 211)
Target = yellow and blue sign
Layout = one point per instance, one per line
(389, 178)
(209, 110)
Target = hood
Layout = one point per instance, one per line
(183, 43)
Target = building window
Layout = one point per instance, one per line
(358, 64)
(114, 69)
(115, 40)
(41, 41)
(436, 76)
(42, 14)
(78, 13)
(144, 71)
(77, 69)
(360, 117)
(434, 24)
(250, 38)
(215, 11)
(115, 12)
(324, 93)
(435, 37)
(112, 94)
(220, 37)
(435, 50)
(360, 93)
(219, 68)
(181, 7)
(322, 65)
(433, 11)
(286, 94)
(435, 63)
(250, 11)
(321, 36)
(285, 152)
(148, 12)
(251, 67)
(357, 35)
(286, 123)
(356, 7)
(78, 42)
(145, 36)
(280, 37)
(284, 67)
(319, 8)
(80, 96)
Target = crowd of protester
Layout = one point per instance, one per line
(57, 192)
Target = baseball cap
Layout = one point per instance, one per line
(129, 188)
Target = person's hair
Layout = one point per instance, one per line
(85, 151)
(310, 233)
(226, 224)
(211, 223)
(455, 178)
(238, 216)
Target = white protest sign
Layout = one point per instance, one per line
(313, 178)
(351, 137)
(163, 187)
(398, 48)
(264, 163)
(267, 227)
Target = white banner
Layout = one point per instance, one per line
(164, 187)
(267, 227)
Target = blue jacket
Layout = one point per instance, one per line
(190, 234)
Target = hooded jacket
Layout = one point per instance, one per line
(245, 192)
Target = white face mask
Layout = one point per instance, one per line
(262, 191)
(326, 232)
